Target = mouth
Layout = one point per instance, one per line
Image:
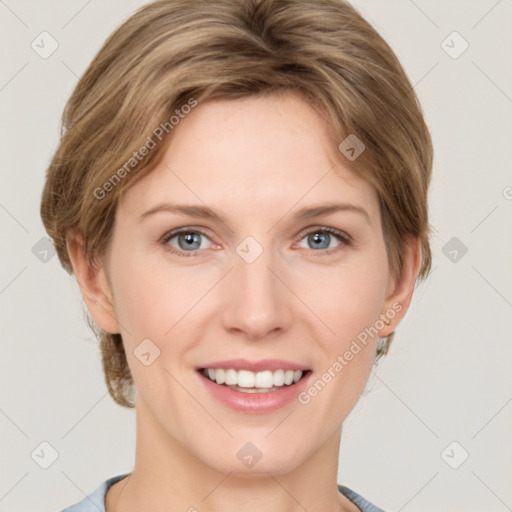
(246, 381)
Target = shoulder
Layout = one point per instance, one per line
(95, 502)
(358, 500)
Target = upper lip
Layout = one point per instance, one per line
(255, 366)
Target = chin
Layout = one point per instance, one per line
(254, 459)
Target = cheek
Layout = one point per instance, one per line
(347, 300)
(350, 309)
(150, 298)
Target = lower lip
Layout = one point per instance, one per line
(255, 403)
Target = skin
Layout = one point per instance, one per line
(255, 161)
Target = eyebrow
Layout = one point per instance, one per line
(204, 212)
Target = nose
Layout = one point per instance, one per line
(257, 303)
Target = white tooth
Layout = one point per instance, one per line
(220, 376)
(288, 377)
(263, 379)
(278, 377)
(253, 390)
(231, 377)
(245, 379)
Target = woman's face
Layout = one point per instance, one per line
(256, 284)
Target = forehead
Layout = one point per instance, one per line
(251, 154)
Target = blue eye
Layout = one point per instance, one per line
(321, 238)
(190, 242)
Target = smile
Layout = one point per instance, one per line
(254, 387)
(246, 381)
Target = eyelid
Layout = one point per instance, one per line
(343, 237)
(185, 229)
(339, 232)
(169, 235)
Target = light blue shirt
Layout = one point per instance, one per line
(95, 502)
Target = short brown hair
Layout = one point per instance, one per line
(170, 51)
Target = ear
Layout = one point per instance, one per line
(94, 285)
(401, 287)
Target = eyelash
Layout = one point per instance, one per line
(345, 239)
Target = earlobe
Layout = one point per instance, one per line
(94, 286)
(399, 299)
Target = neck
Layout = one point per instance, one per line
(168, 477)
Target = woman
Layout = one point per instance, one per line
(241, 193)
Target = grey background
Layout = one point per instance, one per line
(447, 377)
